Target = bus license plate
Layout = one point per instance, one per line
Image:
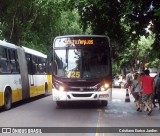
(103, 95)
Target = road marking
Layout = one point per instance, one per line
(100, 116)
(117, 100)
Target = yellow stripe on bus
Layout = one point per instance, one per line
(16, 95)
(49, 83)
(37, 90)
(1, 98)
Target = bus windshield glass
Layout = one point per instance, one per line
(82, 59)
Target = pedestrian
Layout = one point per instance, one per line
(155, 92)
(135, 89)
(1, 69)
(140, 93)
(129, 80)
(157, 86)
(140, 100)
(147, 84)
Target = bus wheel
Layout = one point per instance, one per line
(46, 90)
(104, 103)
(60, 103)
(7, 99)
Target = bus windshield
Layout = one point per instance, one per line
(82, 62)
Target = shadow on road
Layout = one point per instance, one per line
(22, 102)
(81, 105)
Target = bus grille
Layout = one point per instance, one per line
(79, 89)
(82, 95)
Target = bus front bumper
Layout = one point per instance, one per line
(81, 96)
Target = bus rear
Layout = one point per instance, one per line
(82, 69)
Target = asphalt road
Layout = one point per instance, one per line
(43, 112)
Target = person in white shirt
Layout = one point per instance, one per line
(129, 80)
(135, 89)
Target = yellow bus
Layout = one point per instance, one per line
(22, 74)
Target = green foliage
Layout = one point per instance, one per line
(138, 53)
(125, 21)
(116, 68)
(35, 23)
(69, 23)
(154, 64)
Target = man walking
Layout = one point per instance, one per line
(129, 80)
(147, 84)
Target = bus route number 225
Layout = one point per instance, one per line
(74, 74)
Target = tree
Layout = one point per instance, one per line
(68, 24)
(35, 23)
(124, 21)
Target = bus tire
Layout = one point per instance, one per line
(104, 103)
(46, 89)
(7, 99)
(60, 103)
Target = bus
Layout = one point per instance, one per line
(22, 74)
(82, 69)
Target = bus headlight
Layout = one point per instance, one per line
(59, 87)
(104, 87)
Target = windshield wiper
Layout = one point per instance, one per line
(67, 56)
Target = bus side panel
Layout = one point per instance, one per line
(1, 98)
(16, 95)
(2, 86)
(13, 81)
(49, 69)
(38, 87)
(24, 73)
(49, 77)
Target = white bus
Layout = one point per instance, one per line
(22, 74)
(82, 69)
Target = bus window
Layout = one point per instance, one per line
(13, 63)
(60, 60)
(3, 59)
(34, 62)
(41, 65)
(3, 64)
(31, 64)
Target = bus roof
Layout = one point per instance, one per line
(28, 50)
(6, 44)
(34, 52)
(81, 36)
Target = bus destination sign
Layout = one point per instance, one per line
(79, 42)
